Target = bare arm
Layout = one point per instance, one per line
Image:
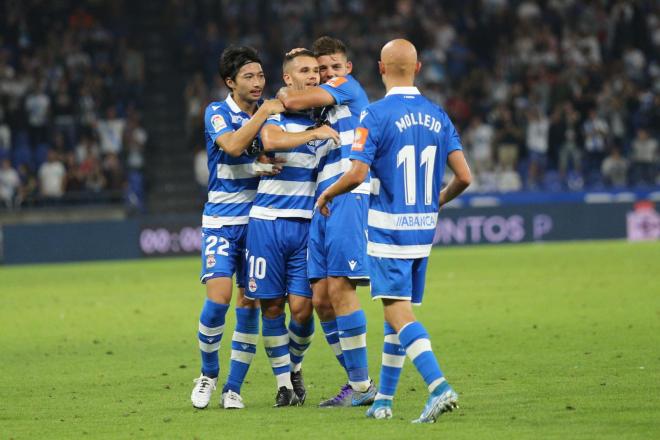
(274, 138)
(313, 97)
(236, 142)
(348, 182)
(461, 180)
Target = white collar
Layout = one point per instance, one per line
(232, 104)
(403, 91)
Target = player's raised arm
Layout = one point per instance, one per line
(235, 142)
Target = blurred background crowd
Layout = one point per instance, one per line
(550, 95)
(71, 80)
(556, 95)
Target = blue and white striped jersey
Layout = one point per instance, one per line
(232, 183)
(350, 100)
(291, 192)
(406, 139)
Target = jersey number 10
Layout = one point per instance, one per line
(406, 156)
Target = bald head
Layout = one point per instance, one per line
(398, 58)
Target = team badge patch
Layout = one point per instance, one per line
(361, 134)
(210, 261)
(252, 285)
(336, 81)
(218, 123)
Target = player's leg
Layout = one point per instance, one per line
(243, 349)
(390, 278)
(301, 324)
(219, 253)
(326, 314)
(266, 273)
(347, 266)
(301, 331)
(276, 342)
(416, 341)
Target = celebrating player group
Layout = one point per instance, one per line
(310, 195)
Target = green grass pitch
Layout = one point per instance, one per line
(540, 341)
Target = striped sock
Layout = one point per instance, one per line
(332, 336)
(276, 341)
(414, 338)
(393, 358)
(211, 326)
(243, 347)
(353, 341)
(300, 336)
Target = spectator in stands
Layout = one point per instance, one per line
(570, 152)
(615, 169)
(113, 173)
(538, 127)
(10, 183)
(37, 107)
(135, 140)
(595, 131)
(479, 140)
(645, 157)
(201, 169)
(110, 131)
(52, 178)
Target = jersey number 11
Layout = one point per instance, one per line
(406, 156)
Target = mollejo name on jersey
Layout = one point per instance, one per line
(413, 119)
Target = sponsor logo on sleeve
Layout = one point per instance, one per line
(360, 139)
(218, 123)
(336, 81)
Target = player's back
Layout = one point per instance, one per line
(413, 137)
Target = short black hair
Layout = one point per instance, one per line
(233, 58)
(288, 57)
(327, 46)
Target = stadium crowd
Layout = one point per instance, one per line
(556, 95)
(71, 81)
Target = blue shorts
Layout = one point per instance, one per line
(338, 244)
(395, 278)
(223, 253)
(276, 258)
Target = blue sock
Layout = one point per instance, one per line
(416, 341)
(332, 336)
(276, 342)
(300, 336)
(353, 340)
(211, 327)
(393, 358)
(243, 347)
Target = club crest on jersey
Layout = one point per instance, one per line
(336, 81)
(210, 261)
(252, 285)
(218, 123)
(361, 134)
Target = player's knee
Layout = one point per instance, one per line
(272, 308)
(323, 308)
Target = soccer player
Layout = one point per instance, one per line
(337, 246)
(406, 141)
(278, 232)
(230, 128)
